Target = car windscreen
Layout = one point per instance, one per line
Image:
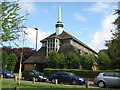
(5, 71)
(36, 72)
(71, 74)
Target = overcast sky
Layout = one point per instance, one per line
(90, 22)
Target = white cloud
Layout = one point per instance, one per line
(104, 33)
(100, 7)
(27, 6)
(31, 36)
(79, 32)
(80, 17)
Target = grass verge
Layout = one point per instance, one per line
(30, 85)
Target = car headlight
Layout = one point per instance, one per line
(8, 74)
(40, 76)
(81, 79)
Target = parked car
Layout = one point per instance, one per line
(7, 74)
(107, 79)
(28, 75)
(66, 77)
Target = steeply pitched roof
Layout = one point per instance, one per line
(65, 35)
(68, 48)
(40, 57)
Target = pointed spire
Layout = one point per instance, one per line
(59, 14)
(59, 25)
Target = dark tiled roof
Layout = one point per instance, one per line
(40, 57)
(65, 35)
(68, 48)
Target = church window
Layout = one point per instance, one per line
(79, 51)
(53, 45)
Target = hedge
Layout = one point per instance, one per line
(80, 73)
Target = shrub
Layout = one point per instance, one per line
(81, 73)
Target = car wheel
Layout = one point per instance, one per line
(53, 80)
(74, 82)
(101, 84)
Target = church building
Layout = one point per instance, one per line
(60, 41)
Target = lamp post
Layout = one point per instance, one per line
(36, 46)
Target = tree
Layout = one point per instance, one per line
(87, 61)
(27, 53)
(53, 59)
(5, 59)
(114, 45)
(61, 63)
(104, 61)
(72, 60)
(11, 22)
(12, 61)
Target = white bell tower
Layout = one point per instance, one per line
(59, 25)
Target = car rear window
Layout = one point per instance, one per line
(65, 74)
(109, 74)
(58, 73)
(117, 74)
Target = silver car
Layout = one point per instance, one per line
(107, 79)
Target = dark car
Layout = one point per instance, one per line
(66, 77)
(28, 75)
(107, 79)
(7, 74)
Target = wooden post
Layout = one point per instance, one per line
(56, 81)
(87, 84)
(1, 77)
(33, 79)
(15, 78)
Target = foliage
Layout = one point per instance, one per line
(103, 60)
(81, 73)
(12, 61)
(87, 61)
(11, 22)
(5, 58)
(72, 60)
(8, 61)
(61, 61)
(54, 60)
(27, 52)
(114, 45)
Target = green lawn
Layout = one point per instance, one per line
(12, 84)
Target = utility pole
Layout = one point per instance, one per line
(36, 48)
